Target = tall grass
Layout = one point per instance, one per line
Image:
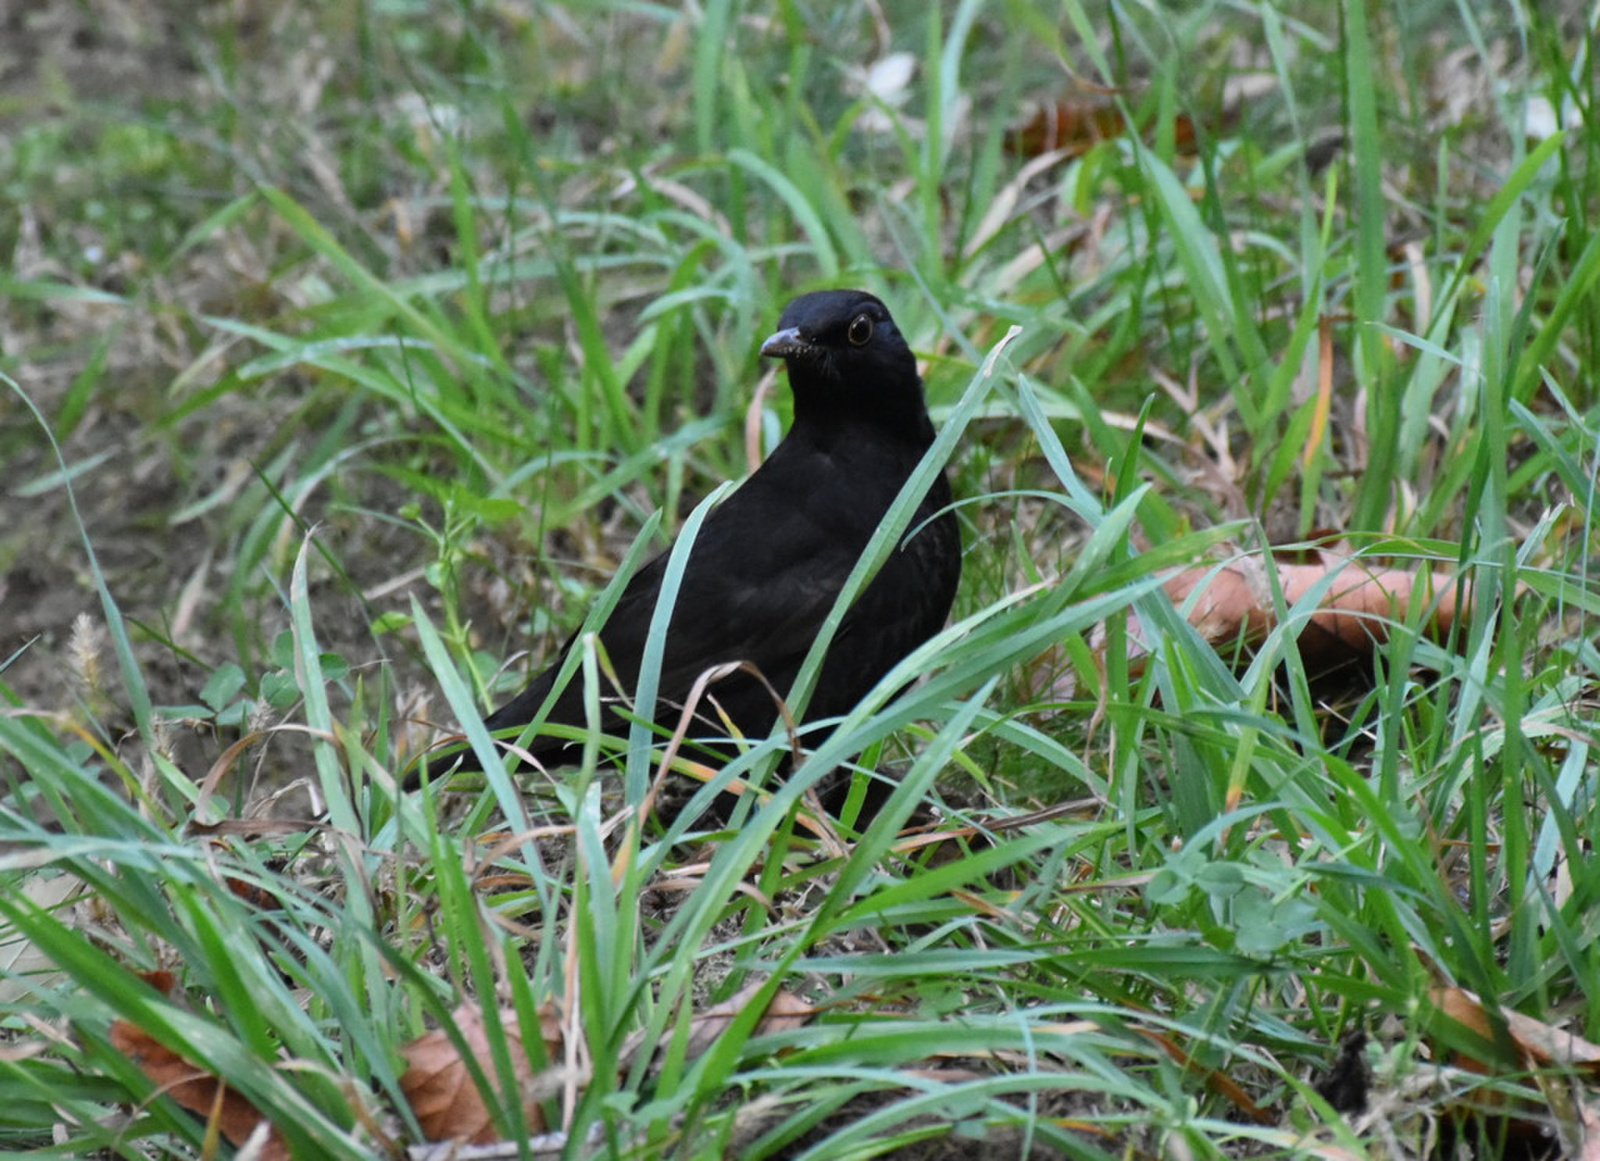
(420, 354)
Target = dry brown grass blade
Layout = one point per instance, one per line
(1218, 1082)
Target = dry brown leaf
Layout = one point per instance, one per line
(1540, 1043)
(1233, 604)
(438, 1083)
(24, 965)
(1549, 1045)
(785, 1011)
(1073, 126)
(194, 1088)
(1550, 1054)
(1589, 1126)
(1235, 601)
(951, 1076)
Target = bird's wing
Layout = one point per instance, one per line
(743, 597)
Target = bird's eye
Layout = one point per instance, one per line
(860, 332)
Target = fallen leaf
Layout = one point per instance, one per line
(23, 966)
(1073, 127)
(1233, 604)
(1540, 1044)
(785, 1011)
(439, 1085)
(1589, 1126)
(1549, 1054)
(1236, 600)
(194, 1088)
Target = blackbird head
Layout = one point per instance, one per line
(847, 358)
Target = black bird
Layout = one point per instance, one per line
(769, 561)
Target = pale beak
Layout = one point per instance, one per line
(785, 343)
